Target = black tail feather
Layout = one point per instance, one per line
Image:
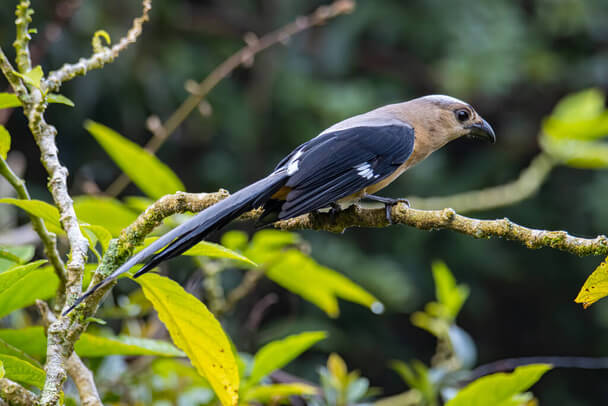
(186, 235)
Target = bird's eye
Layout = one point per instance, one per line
(462, 115)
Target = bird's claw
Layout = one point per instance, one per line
(388, 204)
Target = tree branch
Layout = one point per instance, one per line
(24, 18)
(100, 57)
(16, 394)
(528, 182)
(244, 56)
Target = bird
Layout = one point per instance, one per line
(347, 162)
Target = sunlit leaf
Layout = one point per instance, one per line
(5, 142)
(500, 387)
(104, 211)
(277, 354)
(197, 332)
(21, 285)
(101, 233)
(272, 394)
(322, 286)
(8, 349)
(595, 287)
(38, 208)
(208, 249)
(20, 255)
(8, 100)
(91, 345)
(152, 176)
(577, 154)
(449, 294)
(33, 77)
(586, 104)
(59, 98)
(22, 371)
(30, 340)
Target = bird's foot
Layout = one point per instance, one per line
(389, 202)
(334, 209)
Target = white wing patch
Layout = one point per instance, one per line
(365, 171)
(294, 164)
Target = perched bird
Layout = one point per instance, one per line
(348, 161)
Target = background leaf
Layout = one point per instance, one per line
(59, 98)
(500, 387)
(91, 345)
(21, 285)
(23, 252)
(104, 211)
(277, 354)
(152, 176)
(38, 208)
(270, 394)
(196, 331)
(5, 142)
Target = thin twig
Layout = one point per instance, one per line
(244, 56)
(528, 182)
(100, 58)
(16, 394)
(21, 44)
(49, 239)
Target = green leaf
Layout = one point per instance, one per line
(586, 104)
(22, 371)
(104, 211)
(101, 233)
(576, 153)
(595, 287)
(38, 208)
(2, 371)
(152, 176)
(5, 142)
(208, 249)
(9, 100)
(197, 332)
(277, 354)
(450, 295)
(416, 377)
(21, 285)
(138, 203)
(320, 285)
(499, 388)
(59, 98)
(272, 394)
(20, 255)
(91, 345)
(30, 340)
(8, 349)
(33, 77)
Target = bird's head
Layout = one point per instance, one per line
(445, 118)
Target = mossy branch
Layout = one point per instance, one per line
(16, 394)
(23, 37)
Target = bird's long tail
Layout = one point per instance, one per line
(186, 235)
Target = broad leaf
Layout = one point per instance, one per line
(22, 371)
(101, 234)
(277, 354)
(499, 388)
(21, 285)
(33, 77)
(5, 142)
(59, 98)
(211, 250)
(30, 340)
(272, 394)
(320, 285)
(152, 176)
(197, 332)
(595, 287)
(104, 211)
(15, 255)
(8, 349)
(91, 345)
(38, 208)
(9, 100)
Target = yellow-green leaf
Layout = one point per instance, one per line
(59, 98)
(22, 371)
(90, 345)
(197, 332)
(320, 285)
(277, 354)
(21, 285)
(30, 340)
(2, 372)
(271, 394)
(208, 249)
(496, 389)
(450, 295)
(15, 255)
(101, 233)
(5, 142)
(152, 176)
(33, 77)
(38, 208)
(595, 287)
(586, 104)
(8, 100)
(104, 211)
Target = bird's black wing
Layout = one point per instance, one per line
(337, 164)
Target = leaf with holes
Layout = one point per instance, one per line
(595, 287)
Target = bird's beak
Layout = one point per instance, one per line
(482, 131)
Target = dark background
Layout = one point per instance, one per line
(513, 60)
